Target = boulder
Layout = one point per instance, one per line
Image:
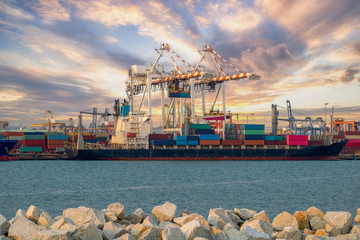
(355, 229)
(195, 229)
(126, 236)
(218, 234)
(52, 235)
(349, 236)
(33, 213)
(311, 237)
(150, 220)
(303, 220)
(172, 233)
(4, 225)
(342, 219)
(109, 216)
(259, 225)
(332, 231)
(321, 232)
(285, 219)
(262, 216)
(118, 209)
(83, 215)
(188, 218)
(244, 214)
(138, 229)
(151, 234)
(218, 218)
(234, 217)
(165, 212)
(357, 219)
(113, 230)
(165, 224)
(317, 223)
(308, 232)
(68, 226)
(290, 233)
(185, 212)
(137, 216)
(315, 212)
(23, 228)
(19, 213)
(44, 219)
(233, 234)
(255, 235)
(59, 223)
(125, 222)
(88, 231)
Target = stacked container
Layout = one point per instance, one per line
(192, 140)
(293, 140)
(232, 131)
(253, 134)
(33, 142)
(209, 139)
(274, 140)
(161, 139)
(181, 140)
(55, 141)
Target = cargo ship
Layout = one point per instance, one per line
(5, 147)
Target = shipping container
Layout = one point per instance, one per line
(180, 138)
(282, 142)
(184, 94)
(231, 142)
(274, 138)
(181, 142)
(161, 142)
(58, 137)
(157, 136)
(34, 137)
(209, 142)
(209, 137)
(315, 143)
(200, 126)
(252, 126)
(193, 142)
(33, 142)
(254, 142)
(31, 149)
(9, 134)
(205, 131)
(297, 137)
(254, 137)
(338, 137)
(297, 142)
(34, 133)
(252, 132)
(353, 143)
(269, 142)
(193, 138)
(352, 133)
(130, 135)
(174, 94)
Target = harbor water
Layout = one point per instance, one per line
(198, 186)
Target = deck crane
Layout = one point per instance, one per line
(144, 84)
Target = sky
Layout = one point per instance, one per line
(68, 56)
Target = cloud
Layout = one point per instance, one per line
(16, 12)
(348, 75)
(52, 10)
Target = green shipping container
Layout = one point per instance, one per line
(31, 149)
(252, 132)
(200, 126)
(34, 137)
(278, 138)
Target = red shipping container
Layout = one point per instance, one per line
(33, 143)
(278, 142)
(338, 136)
(353, 143)
(297, 138)
(269, 142)
(155, 136)
(89, 137)
(130, 135)
(231, 142)
(209, 142)
(254, 142)
(295, 143)
(10, 134)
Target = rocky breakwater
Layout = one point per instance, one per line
(162, 224)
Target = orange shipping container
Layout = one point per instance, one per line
(10, 134)
(254, 142)
(231, 142)
(56, 142)
(209, 142)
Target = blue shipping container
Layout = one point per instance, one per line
(89, 141)
(182, 143)
(184, 95)
(125, 109)
(204, 131)
(58, 137)
(193, 142)
(167, 142)
(34, 133)
(174, 94)
(269, 138)
(252, 126)
(180, 138)
(254, 137)
(209, 137)
(193, 138)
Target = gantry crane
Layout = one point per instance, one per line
(48, 121)
(144, 82)
(4, 124)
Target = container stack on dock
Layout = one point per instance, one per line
(253, 134)
(33, 142)
(161, 140)
(55, 141)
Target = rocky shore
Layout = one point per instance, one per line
(162, 223)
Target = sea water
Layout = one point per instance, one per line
(198, 186)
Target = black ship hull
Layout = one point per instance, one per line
(329, 152)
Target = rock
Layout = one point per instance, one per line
(303, 220)
(88, 231)
(188, 218)
(355, 229)
(126, 236)
(19, 213)
(138, 229)
(83, 215)
(52, 235)
(68, 226)
(321, 232)
(23, 228)
(109, 216)
(195, 229)
(357, 219)
(4, 225)
(33, 213)
(125, 222)
(113, 230)
(165, 212)
(4, 238)
(244, 214)
(262, 216)
(350, 236)
(118, 209)
(315, 212)
(137, 216)
(259, 225)
(308, 232)
(218, 234)
(150, 220)
(200, 238)
(233, 234)
(151, 234)
(342, 219)
(317, 223)
(285, 219)
(311, 237)
(218, 218)
(255, 235)
(165, 224)
(44, 219)
(290, 233)
(332, 231)
(234, 217)
(185, 213)
(59, 223)
(172, 233)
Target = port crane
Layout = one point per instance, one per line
(4, 124)
(180, 83)
(47, 120)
